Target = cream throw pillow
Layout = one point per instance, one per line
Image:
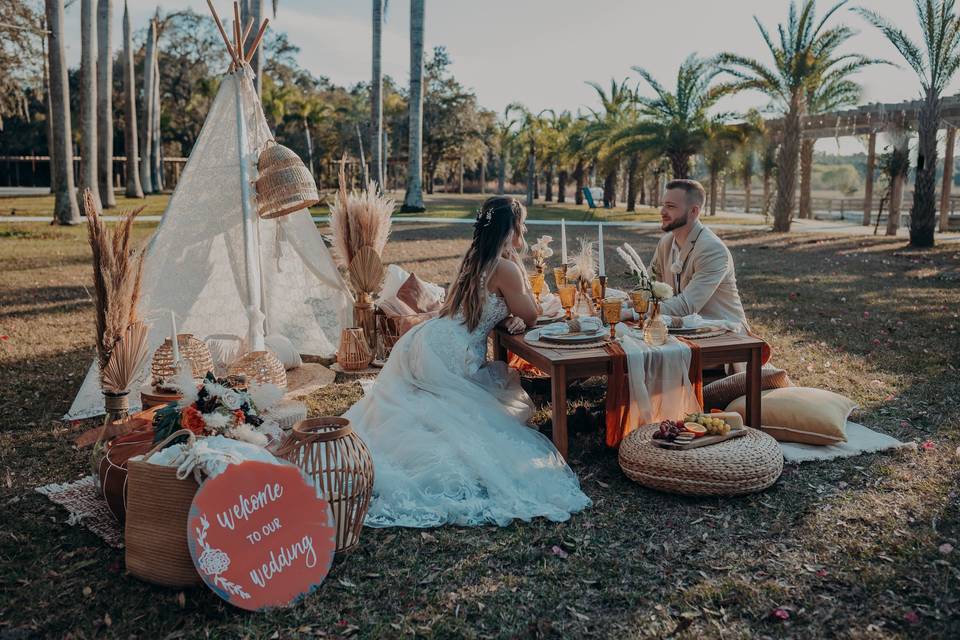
(802, 414)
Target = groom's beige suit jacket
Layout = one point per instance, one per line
(707, 282)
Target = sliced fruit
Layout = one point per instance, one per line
(696, 429)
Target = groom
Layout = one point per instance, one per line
(693, 260)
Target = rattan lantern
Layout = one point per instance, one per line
(340, 466)
(354, 353)
(191, 348)
(285, 184)
(260, 367)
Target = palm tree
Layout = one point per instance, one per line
(722, 140)
(88, 89)
(674, 124)
(935, 65)
(804, 54)
(413, 199)
(376, 97)
(311, 110)
(531, 128)
(133, 190)
(147, 119)
(61, 153)
(605, 130)
(105, 102)
(833, 91)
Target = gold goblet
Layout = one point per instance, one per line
(640, 302)
(611, 313)
(536, 284)
(560, 275)
(568, 296)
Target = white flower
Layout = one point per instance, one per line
(245, 433)
(231, 399)
(217, 421)
(214, 389)
(662, 290)
(545, 240)
(547, 252)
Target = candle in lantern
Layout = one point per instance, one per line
(563, 241)
(603, 268)
(174, 346)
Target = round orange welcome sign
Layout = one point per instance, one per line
(259, 535)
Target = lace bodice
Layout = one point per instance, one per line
(494, 310)
(461, 347)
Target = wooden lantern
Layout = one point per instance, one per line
(354, 353)
(192, 348)
(338, 463)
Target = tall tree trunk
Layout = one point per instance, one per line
(713, 191)
(632, 174)
(747, 191)
(376, 97)
(531, 173)
(723, 191)
(548, 190)
(460, 177)
(309, 139)
(49, 105)
(536, 186)
(868, 183)
(923, 215)
(610, 189)
(133, 190)
(562, 186)
(146, 113)
(156, 149)
(680, 164)
(896, 203)
(642, 183)
(787, 158)
(765, 205)
(105, 101)
(88, 92)
(413, 199)
(578, 177)
(483, 174)
(502, 171)
(806, 175)
(65, 210)
(947, 184)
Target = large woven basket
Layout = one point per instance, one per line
(338, 463)
(285, 184)
(191, 348)
(259, 367)
(742, 465)
(156, 532)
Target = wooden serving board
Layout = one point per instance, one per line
(702, 441)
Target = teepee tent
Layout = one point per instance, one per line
(220, 268)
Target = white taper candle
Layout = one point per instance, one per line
(563, 241)
(175, 346)
(603, 266)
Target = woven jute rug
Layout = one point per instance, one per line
(86, 508)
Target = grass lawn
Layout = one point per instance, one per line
(861, 548)
(438, 206)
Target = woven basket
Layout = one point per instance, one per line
(156, 532)
(354, 353)
(261, 367)
(285, 184)
(340, 466)
(192, 348)
(112, 470)
(746, 464)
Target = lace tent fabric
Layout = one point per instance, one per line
(195, 261)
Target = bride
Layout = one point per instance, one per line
(446, 428)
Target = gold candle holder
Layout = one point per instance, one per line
(611, 313)
(568, 296)
(599, 290)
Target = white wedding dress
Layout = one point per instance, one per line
(447, 433)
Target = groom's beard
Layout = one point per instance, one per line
(676, 224)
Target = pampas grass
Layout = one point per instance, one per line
(117, 275)
(584, 264)
(359, 219)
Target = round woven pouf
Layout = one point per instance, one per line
(746, 464)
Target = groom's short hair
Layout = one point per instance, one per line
(694, 190)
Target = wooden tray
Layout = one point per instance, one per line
(702, 441)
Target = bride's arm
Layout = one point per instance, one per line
(511, 282)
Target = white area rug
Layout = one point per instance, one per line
(860, 440)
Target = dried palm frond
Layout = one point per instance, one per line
(117, 276)
(359, 219)
(366, 271)
(127, 360)
(583, 265)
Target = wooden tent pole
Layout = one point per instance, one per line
(223, 32)
(237, 29)
(247, 29)
(256, 41)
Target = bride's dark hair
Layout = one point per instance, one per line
(496, 219)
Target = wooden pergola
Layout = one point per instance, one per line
(877, 117)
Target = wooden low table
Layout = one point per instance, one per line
(564, 365)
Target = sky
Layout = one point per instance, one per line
(542, 52)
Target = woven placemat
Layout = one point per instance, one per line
(566, 347)
(719, 331)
